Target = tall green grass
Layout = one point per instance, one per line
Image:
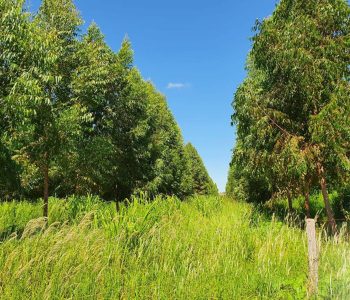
(204, 248)
(340, 202)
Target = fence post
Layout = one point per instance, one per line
(313, 256)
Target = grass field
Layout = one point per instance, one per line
(204, 248)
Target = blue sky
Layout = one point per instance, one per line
(194, 51)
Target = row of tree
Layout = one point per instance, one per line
(78, 118)
(292, 112)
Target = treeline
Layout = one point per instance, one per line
(292, 112)
(78, 118)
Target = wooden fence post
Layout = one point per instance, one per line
(313, 257)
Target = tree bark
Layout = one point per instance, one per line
(117, 205)
(307, 199)
(46, 191)
(290, 202)
(330, 214)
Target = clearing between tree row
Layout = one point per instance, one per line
(203, 248)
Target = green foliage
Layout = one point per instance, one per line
(201, 182)
(9, 171)
(78, 118)
(292, 112)
(156, 249)
(169, 173)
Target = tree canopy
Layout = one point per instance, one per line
(201, 182)
(292, 112)
(78, 118)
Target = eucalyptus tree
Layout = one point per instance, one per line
(62, 17)
(130, 128)
(47, 127)
(201, 181)
(170, 173)
(303, 49)
(251, 169)
(78, 117)
(263, 163)
(94, 87)
(14, 25)
(44, 121)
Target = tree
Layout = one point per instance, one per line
(62, 17)
(301, 52)
(130, 128)
(94, 86)
(43, 124)
(169, 172)
(303, 49)
(14, 24)
(77, 117)
(201, 181)
(250, 168)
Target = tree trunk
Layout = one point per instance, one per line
(116, 198)
(307, 200)
(46, 191)
(290, 202)
(117, 207)
(330, 215)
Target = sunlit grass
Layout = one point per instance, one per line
(204, 248)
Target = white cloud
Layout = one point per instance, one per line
(173, 85)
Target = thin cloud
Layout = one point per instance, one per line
(173, 85)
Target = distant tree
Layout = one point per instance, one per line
(201, 181)
(169, 173)
(94, 86)
(130, 128)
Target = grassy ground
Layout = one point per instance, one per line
(205, 248)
